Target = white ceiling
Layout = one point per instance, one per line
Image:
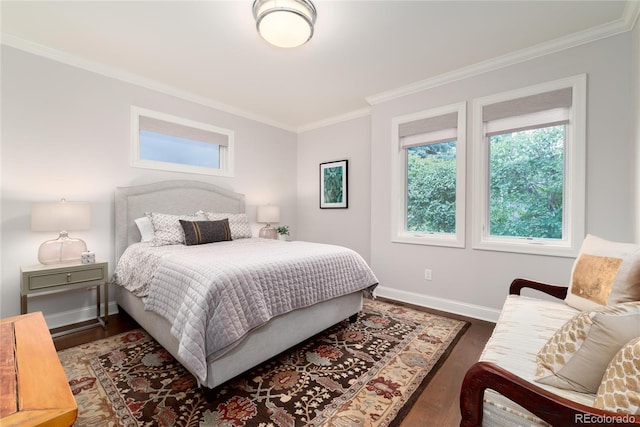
(209, 50)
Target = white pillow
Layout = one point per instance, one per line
(146, 229)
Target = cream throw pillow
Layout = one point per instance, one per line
(620, 387)
(626, 287)
(605, 273)
(577, 355)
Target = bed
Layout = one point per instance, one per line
(280, 328)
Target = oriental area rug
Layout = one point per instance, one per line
(364, 373)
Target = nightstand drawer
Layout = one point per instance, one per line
(65, 278)
(41, 280)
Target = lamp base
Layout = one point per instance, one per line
(268, 232)
(61, 250)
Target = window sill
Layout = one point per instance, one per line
(529, 247)
(428, 240)
(174, 167)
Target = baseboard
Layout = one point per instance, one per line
(464, 309)
(64, 318)
(450, 306)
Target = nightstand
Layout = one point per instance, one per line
(37, 280)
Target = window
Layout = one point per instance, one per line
(428, 160)
(162, 141)
(530, 169)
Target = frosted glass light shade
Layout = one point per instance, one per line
(285, 23)
(62, 249)
(268, 214)
(61, 216)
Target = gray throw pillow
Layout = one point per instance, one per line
(201, 232)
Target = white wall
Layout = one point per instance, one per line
(636, 118)
(65, 133)
(349, 140)
(475, 281)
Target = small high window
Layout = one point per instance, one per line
(166, 142)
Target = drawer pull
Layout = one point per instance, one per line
(68, 277)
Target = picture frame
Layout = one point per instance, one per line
(334, 189)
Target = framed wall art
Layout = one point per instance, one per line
(333, 185)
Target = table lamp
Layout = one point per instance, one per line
(60, 216)
(268, 214)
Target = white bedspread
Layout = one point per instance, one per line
(214, 294)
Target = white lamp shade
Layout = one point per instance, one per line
(62, 215)
(285, 23)
(268, 214)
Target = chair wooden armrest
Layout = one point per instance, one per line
(547, 406)
(557, 291)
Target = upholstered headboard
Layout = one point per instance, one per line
(170, 197)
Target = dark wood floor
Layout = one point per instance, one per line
(436, 406)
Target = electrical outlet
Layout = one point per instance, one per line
(427, 274)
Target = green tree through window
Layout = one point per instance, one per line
(431, 188)
(526, 183)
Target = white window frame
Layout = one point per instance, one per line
(226, 152)
(574, 175)
(399, 233)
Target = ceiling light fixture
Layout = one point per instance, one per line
(285, 23)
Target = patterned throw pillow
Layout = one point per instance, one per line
(577, 355)
(167, 228)
(620, 387)
(239, 223)
(605, 273)
(201, 232)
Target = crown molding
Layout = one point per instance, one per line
(119, 74)
(624, 24)
(336, 119)
(631, 13)
(572, 40)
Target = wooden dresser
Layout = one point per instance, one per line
(34, 390)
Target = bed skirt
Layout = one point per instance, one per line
(279, 334)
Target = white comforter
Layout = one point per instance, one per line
(214, 294)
